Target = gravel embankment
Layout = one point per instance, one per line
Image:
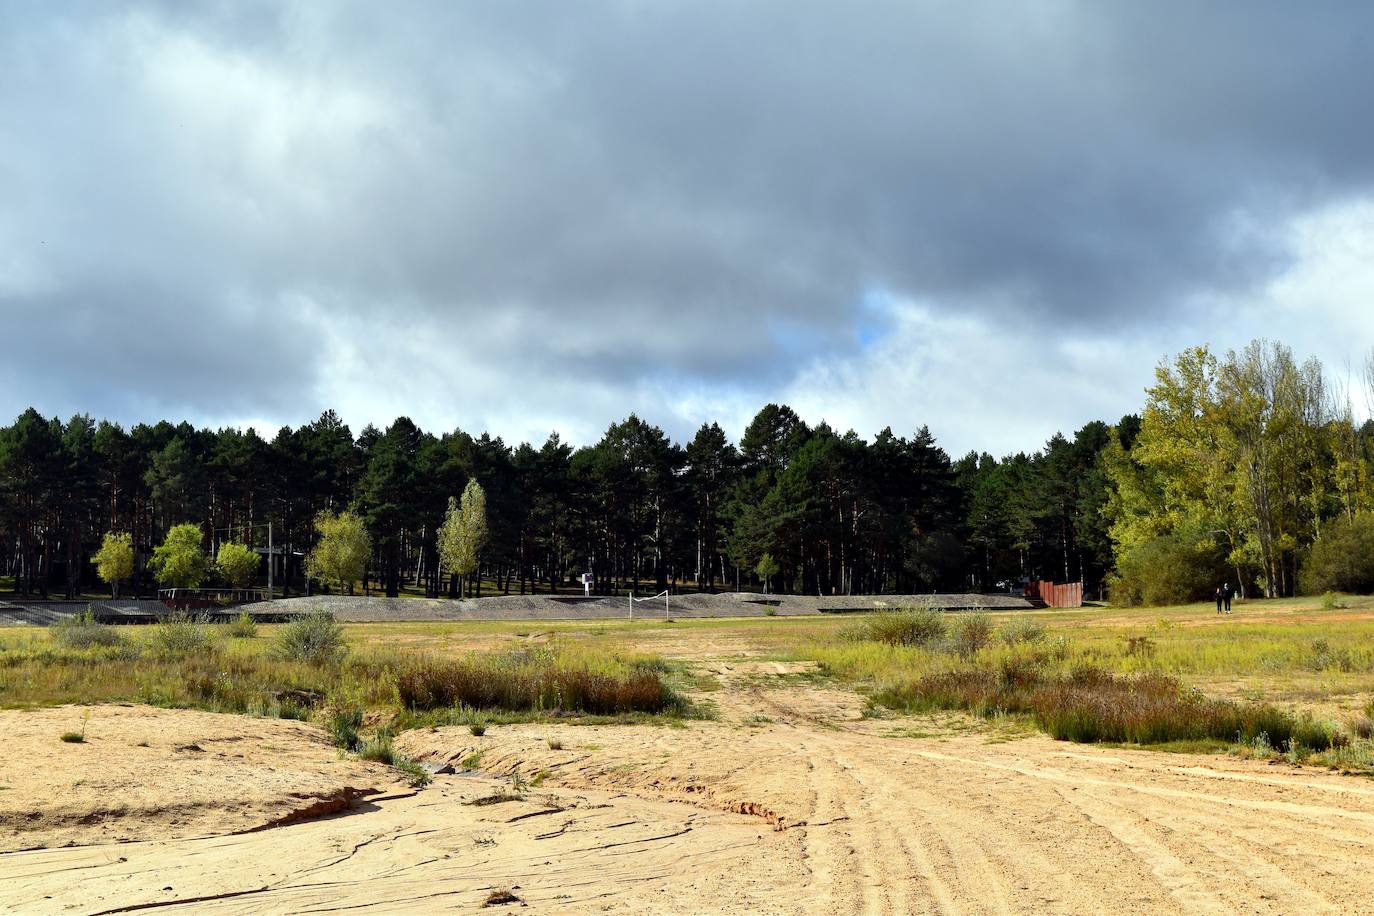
(567, 607)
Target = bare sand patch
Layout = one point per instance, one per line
(791, 801)
(144, 772)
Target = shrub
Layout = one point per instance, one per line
(83, 631)
(919, 627)
(316, 638)
(1023, 630)
(1089, 704)
(1342, 558)
(1140, 646)
(1331, 601)
(243, 626)
(518, 683)
(73, 737)
(181, 635)
(971, 633)
(1169, 569)
(342, 722)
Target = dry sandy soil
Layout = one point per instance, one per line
(789, 802)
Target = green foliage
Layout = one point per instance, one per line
(1022, 631)
(1237, 464)
(237, 563)
(1342, 558)
(1332, 601)
(766, 569)
(181, 634)
(243, 626)
(179, 561)
(342, 721)
(972, 632)
(114, 561)
(316, 638)
(464, 531)
(1168, 569)
(916, 627)
(340, 556)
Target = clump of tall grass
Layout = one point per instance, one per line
(972, 632)
(381, 750)
(520, 682)
(83, 631)
(1023, 631)
(315, 637)
(243, 626)
(342, 721)
(1090, 705)
(916, 627)
(180, 635)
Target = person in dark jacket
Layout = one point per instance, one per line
(1218, 597)
(1226, 592)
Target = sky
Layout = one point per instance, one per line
(994, 219)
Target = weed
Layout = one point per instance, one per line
(472, 761)
(1332, 601)
(500, 897)
(1140, 646)
(342, 722)
(554, 744)
(84, 631)
(972, 632)
(918, 627)
(316, 638)
(416, 775)
(379, 749)
(181, 635)
(243, 626)
(1023, 630)
(78, 737)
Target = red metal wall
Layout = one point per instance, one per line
(1067, 594)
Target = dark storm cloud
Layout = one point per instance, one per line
(210, 202)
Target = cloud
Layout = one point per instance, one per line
(522, 217)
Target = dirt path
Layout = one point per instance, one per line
(790, 802)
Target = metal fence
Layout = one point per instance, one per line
(1065, 594)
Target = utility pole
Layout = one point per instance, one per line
(271, 560)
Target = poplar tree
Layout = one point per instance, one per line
(464, 533)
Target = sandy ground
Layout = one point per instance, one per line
(789, 802)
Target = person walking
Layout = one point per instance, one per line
(1226, 592)
(1218, 597)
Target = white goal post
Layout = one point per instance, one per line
(663, 594)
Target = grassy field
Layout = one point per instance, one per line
(1310, 659)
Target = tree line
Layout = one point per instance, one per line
(790, 507)
(1248, 467)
